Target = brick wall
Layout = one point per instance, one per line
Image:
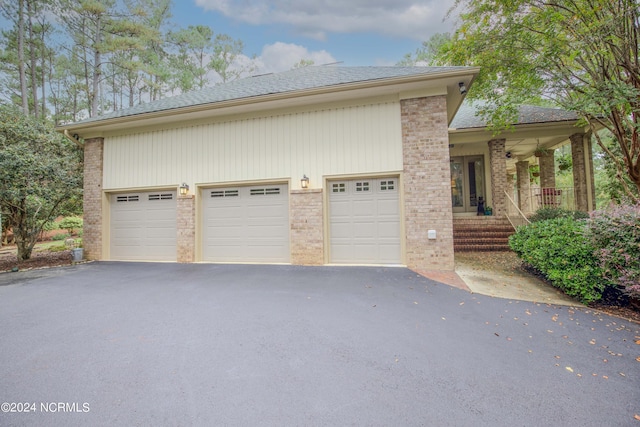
(92, 200)
(186, 225)
(427, 183)
(306, 221)
(498, 164)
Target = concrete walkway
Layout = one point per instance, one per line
(494, 282)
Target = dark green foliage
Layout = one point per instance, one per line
(546, 213)
(561, 251)
(40, 176)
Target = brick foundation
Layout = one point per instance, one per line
(427, 189)
(92, 200)
(306, 222)
(186, 224)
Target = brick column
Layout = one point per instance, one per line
(524, 187)
(92, 199)
(186, 225)
(427, 183)
(547, 169)
(307, 238)
(498, 162)
(582, 172)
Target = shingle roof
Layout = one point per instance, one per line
(467, 116)
(289, 81)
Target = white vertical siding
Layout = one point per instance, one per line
(347, 140)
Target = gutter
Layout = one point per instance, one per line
(75, 138)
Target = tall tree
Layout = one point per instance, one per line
(40, 176)
(427, 53)
(582, 54)
(226, 52)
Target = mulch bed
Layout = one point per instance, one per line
(9, 260)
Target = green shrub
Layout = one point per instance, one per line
(70, 223)
(560, 249)
(60, 236)
(547, 212)
(615, 234)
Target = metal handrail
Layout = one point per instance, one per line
(517, 218)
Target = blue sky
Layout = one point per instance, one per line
(282, 32)
(354, 32)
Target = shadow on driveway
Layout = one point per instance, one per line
(196, 344)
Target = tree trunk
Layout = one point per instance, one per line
(21, 70)
(32, 60)
(97, 71)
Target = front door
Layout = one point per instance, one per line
(467, 183)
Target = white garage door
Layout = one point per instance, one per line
(246, 224)
(364, 218)
(143, 226)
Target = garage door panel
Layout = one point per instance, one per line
(364, 219)
(250, 226)
(143, 226)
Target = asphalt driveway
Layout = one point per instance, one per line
(170, 344)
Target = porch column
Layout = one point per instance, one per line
(582, 158)
(524, 187)
(547, 169)
(498, 162)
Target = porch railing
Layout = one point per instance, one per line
(514, 214)
(559, 197)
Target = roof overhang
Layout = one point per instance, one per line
(438, 83)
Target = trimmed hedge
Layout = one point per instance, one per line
(546, 213)
(561, 250)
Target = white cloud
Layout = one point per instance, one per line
(416, 19)
(283, 56)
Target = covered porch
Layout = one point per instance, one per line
(507, 177)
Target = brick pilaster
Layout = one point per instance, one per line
(186, 225)
(306, 222)
(427, 188)
(92, 199)
(498, 164)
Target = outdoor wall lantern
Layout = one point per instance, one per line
(463, 88)
(304, 182)
(184, 189)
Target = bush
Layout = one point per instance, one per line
(615, 234)
(546, 213)
(560, 249)
(70, 223)
(60, 237)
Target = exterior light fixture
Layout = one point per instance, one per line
(463, 88)
(304, 182)
(184, 189)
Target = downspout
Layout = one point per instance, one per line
(72, 139)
